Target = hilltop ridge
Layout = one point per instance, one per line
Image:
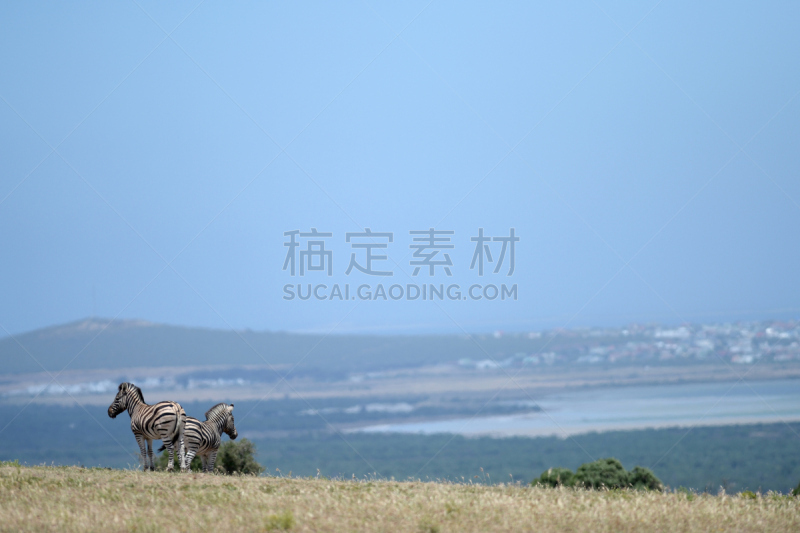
(96, 343)
(78, 500)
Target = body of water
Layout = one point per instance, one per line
(686, 405)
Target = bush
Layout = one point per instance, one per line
(281, 522)
(641, 478)
(604, 473)
(796, 491)
(607, 473)
(238, 458)
(232, 458)
(555, 477)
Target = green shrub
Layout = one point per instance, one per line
(641, 478)
(796, 491)
(280, 522)
(238, 457)
(604, 473)
(555, 477)
(608, 473)
(232, 458)
(427, 525)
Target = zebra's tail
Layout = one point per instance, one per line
(174, 440)
(179, 428)
(181, 424)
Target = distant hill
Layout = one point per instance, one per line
(100, 343)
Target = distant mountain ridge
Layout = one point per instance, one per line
(101, 343)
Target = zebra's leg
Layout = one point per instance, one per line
(184, 463)
(150, 454)
(189, 456)
(142, 451)
(181, 428)
(212, 458)
(204, 458)
(171, 450)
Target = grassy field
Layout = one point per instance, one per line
(77, 499)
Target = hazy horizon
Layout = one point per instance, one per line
(415, 332)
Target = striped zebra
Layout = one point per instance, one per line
(203, 438)
(163, 421)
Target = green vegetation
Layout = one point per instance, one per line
(641, 478)
(238, 458)
(603, 473)
(283, 521)
(556, 477)
(705, 459)
(233, 457)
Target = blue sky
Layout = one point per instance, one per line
(153, 155)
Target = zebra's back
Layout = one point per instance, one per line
(199, 437)
(160, 421)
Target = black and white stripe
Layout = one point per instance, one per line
(163, 421)
(203, 438)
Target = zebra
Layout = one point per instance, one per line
(163, 421)
(203, 438)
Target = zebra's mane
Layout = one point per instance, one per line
(137, 390)
(217, 409)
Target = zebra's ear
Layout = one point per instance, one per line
(123, 386)
(230, 408)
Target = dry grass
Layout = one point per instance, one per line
(76, 499)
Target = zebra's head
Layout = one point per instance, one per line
(123, 398)
(230, 428)
(222, 416)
